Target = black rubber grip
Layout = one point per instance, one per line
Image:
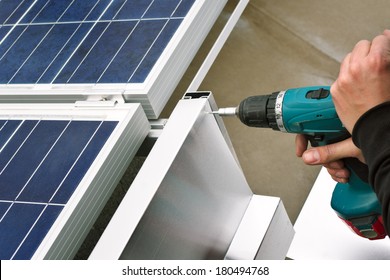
(360, 169)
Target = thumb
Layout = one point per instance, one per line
(332, 152)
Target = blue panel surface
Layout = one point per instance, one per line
(15, 225)
(11, 11)
(41, 164)
(140, 40)
(38, 231)
(6, 130)
(78, 41)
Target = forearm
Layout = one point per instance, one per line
(372, 135)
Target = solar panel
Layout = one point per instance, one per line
(44, 159)
(62, 152)
(67, 41)
(141, 47)
(64, 51)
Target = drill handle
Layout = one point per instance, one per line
(353, 164)
(355, 202)
(358, 167)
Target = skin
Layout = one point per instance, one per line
(363, 83)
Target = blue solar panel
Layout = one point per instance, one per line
(41, 164)
(78, 41)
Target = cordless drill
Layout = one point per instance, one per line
(310, 111)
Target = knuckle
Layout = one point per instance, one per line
(377, 62)
(331, 171)
(328, 152)
(355, 69)
(335, 165)
(335, 90)
(342, 83)
(325, 154)
(337, 179)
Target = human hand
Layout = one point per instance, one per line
(364, 79)
(330, 156)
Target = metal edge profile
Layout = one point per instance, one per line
(265, 232)
(102, 177)
(143, 190)
(43, 94)
(214, 107)
(115, 236)
(278, 238)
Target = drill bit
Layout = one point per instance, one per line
(230, 111)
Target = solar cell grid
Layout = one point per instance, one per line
(89, 42)
(41, 164)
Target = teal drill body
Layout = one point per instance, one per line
(310, 111)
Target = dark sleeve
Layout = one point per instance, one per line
(372, 135)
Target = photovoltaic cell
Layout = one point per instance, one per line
(78, 41)
(41, 164)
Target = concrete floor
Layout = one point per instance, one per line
(276, 45)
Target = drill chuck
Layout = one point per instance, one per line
(259, 111)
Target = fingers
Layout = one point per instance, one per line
(387, 33)
(330, 156)
(363, 81)
(338, 171)
(300, 144)
(361, 49)
(380, 45)
(330, 153)
(344, 67)
(340, 176)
